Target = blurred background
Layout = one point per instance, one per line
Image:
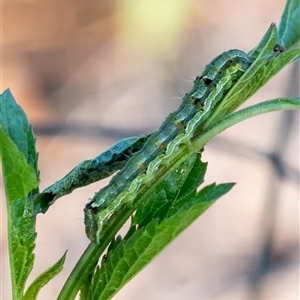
(89, 73)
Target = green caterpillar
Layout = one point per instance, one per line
(143, 168)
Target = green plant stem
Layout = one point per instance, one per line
(244, 114)
(10, 230)
(90, 257)
(83, 268)
(88, 260)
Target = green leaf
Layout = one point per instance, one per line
(84, 291)
(19, 177)
(89, 171)
(256, 77)
(44, 278)
(158, 203)
(266, 65)
(155, 227)
(239, 93)
(19, 166)
(17, 127)
(265, 45)
(288, 32)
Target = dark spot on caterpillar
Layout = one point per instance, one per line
(179, 125)
(196, 101)
(142, 166)
(231, 59)
(160, 146)
(207, 81)
(93, 210)
(219, 70)
(279, 48)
